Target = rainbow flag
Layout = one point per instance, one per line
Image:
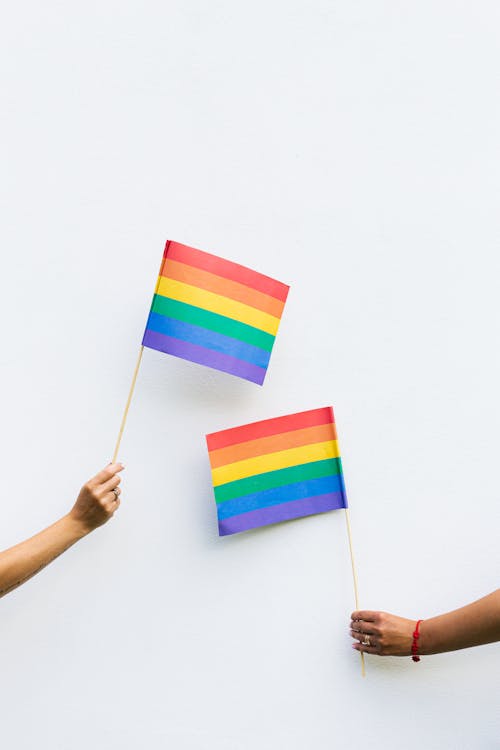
(275, 470)
(214, 312)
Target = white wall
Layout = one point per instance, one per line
(351, 150)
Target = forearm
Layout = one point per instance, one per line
(389, 635)
(23, 561)
(473, 625)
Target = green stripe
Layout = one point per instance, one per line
(212, 321)
(278, 478)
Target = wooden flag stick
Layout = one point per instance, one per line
(127, 406)
(355, 579)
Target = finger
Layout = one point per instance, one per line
(106, 473)
(115, 503)
(357, 636)
(363, 638)
(111, 502)
(366, 638)
(112, 496)
(363, 626)
(110, 484)
(364, 614)
(366, 649)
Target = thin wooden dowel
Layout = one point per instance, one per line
(355, 579)
(127, 405)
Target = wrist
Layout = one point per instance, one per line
(74, 527)
(429, 637)
(415, 646)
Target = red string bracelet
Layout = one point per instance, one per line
(414, 645)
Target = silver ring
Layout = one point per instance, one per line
(115, 490)
(366, 641)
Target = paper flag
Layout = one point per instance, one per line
(215, 312)
(275, 470)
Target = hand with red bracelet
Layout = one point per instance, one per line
(381, 633)
(384, 634)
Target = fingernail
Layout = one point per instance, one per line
(354, 646)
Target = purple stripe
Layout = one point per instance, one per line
(283, 512)
(203, 356)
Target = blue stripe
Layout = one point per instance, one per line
(277, 495)
(282, 512)
(209, 339)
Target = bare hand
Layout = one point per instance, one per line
(386, 635)
(98, 498)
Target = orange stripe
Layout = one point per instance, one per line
(272, 444)
(226, 268)
(173, 269)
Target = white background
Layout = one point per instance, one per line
(349, 149)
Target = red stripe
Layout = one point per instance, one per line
(269, 427)
(226, 268)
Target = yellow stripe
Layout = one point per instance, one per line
(273, 461)
(193, 295)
